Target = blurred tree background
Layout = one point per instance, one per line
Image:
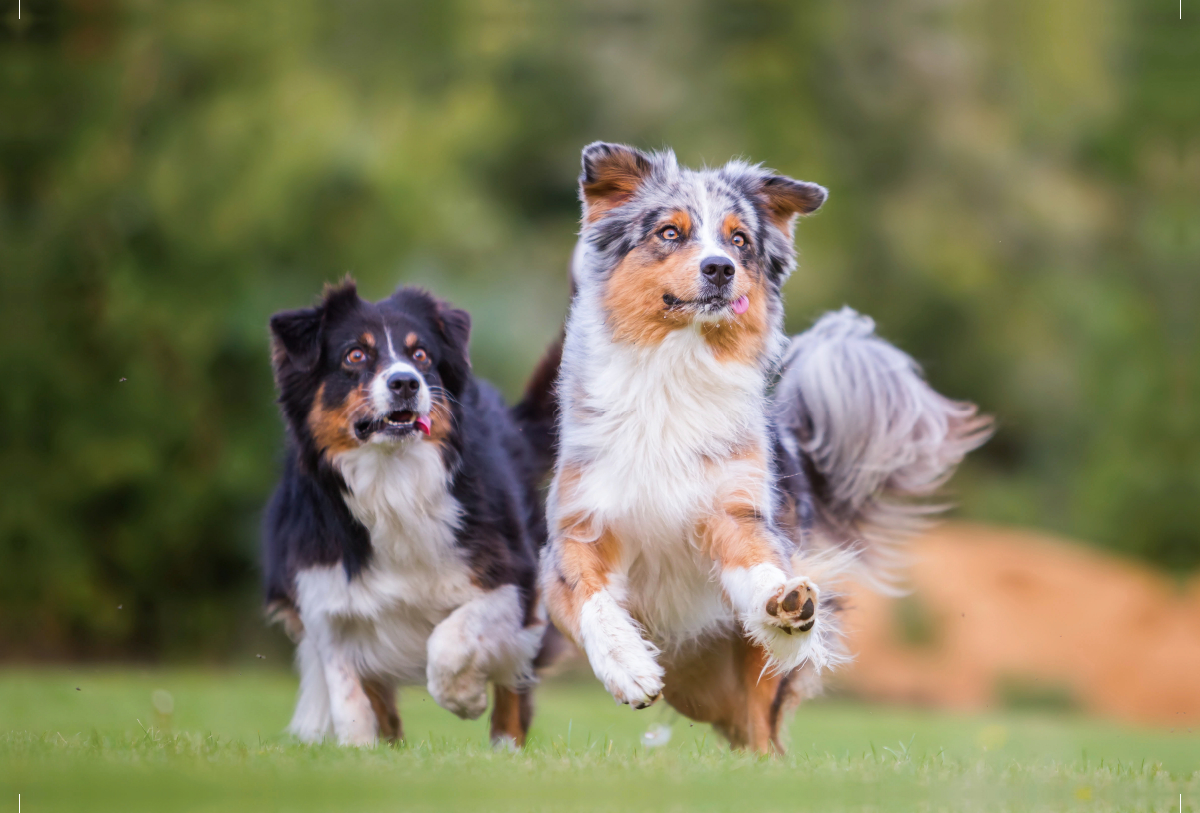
(1014, 197)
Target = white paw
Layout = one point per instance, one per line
(308, 734)
(503, 742)
(785, 621)
(631, 676)
(358, 733)
(621, 658)
(463, 692)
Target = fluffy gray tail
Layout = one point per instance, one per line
(877, 438)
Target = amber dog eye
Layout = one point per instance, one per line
(738, 239)
(420, 357)
(669, 233)
(356, 356)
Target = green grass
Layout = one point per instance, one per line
(90, 739)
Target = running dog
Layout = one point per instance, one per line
(713, 477)
(400, 546)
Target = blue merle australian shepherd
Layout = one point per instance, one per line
(714, 477)
(401, 543)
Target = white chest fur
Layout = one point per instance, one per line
(655, 431)
(416, 576)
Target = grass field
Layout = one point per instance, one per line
(92, 739)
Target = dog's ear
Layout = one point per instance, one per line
(296, 339)
(340, 298)
(785, 198)
(611, 174)
(455, 365)
(296, 335)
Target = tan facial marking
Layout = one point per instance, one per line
(681, 220)
(637, 313)
(634, 300)
(333, 429)
(410, 340)
(440, 418)
(367, 340)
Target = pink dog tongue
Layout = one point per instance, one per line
(741, 305)
(423, 422)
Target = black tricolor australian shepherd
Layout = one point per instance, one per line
(401, 543)
(713, 477)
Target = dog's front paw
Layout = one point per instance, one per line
(463, 692)
(621, 658)
(785, 622)
(793, 607)
(630, 673)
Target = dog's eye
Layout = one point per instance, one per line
(420, 356)
(669, 233)
(356, 356)
(738, 239)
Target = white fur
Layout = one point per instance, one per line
(312, 720)
(749, 589)
(413, 614)
(620, 656)
(350, 711)
(465, 651)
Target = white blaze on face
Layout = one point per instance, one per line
(381, 396)
(709, 231)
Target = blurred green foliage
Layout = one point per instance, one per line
(1014, 198)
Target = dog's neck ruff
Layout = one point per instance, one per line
(401, 494)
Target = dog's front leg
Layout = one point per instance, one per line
(584, 584)
(349, 706)
(484, 638)
(777, 609)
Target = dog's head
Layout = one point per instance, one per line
(669, 246)
(352, 372)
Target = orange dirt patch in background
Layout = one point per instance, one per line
(999, 614)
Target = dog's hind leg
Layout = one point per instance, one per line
(382, 696)
(724, 681)
(512, 712)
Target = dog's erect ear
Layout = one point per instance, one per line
(785, 198)
(297, 334)
(611, 174)
(455, 365)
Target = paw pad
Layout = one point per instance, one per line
(794, 607)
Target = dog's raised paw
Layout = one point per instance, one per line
(793, 608)
(463, 693)
(630, 673)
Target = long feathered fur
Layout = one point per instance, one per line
(879, 438)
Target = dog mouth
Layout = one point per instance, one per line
(707, 305)
(397, 424)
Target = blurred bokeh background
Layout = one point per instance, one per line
(1015, 197)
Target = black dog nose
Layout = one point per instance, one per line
(717, 270)
(404, 383)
